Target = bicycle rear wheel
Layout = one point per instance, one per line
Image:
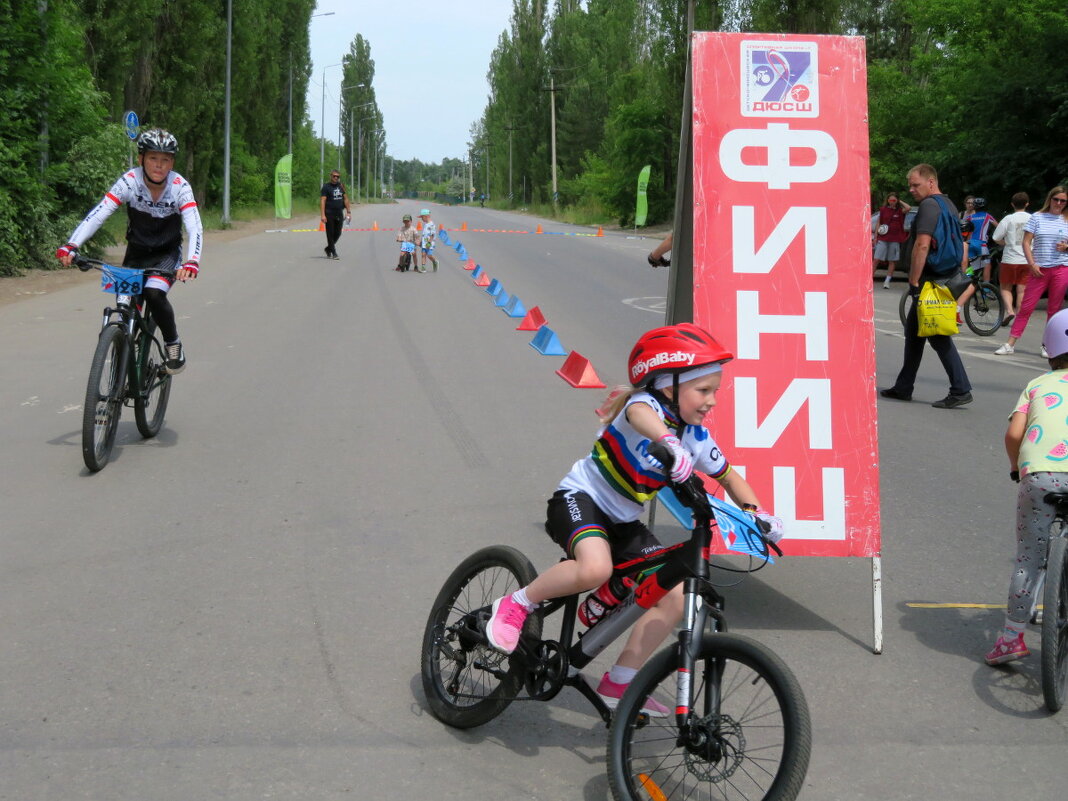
(1055, 626)
(984, 310)
(904, 305)
(103, 398)
(466, 682)
(150, 405)
(749, 738)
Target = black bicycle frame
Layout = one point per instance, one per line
(685, 563)
(132, 323)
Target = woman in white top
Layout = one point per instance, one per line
(1045, 246)
(1013, 271)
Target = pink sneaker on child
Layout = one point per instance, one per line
(611, 692)
(505, 624)
(1007, 651)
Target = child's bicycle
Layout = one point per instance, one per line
(1054, 617)
(127, 367)
(740, 727)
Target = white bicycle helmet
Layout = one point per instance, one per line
(157, 140)
(1055, 337)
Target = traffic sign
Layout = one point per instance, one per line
(132, 124)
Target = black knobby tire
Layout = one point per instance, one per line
(757, 739)
(1055, 626)
(904, 305)
(103, 397)
(151, 403)
(466, 682)
(985, 310)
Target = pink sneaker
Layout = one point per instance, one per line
(611, 692)
(505, 624)
(1007, 651)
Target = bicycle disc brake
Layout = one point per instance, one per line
(546, 674)
(715, 747)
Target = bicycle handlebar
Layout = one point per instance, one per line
(85, 264)
(692, 494)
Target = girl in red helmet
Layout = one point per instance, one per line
(675, 372)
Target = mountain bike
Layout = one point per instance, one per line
(741, 726)
(984, 311)
(127, 367)
(1054, 617)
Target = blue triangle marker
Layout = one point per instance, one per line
(515, 308)
(547, 343)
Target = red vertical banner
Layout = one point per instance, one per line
(782, 276)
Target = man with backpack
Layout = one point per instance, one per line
(937, 251)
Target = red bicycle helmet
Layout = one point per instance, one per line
(673, 349)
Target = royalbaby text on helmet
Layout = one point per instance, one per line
(673, 350)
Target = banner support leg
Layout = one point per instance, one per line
(877, 602)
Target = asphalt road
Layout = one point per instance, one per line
(234, 609)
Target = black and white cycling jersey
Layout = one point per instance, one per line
(154, 226)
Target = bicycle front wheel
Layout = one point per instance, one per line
(466, 682)
(984, 310)
(1055, 626)
(150, 405)
(103, 398)
(749, 737)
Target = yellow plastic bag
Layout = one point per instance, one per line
(936, 310)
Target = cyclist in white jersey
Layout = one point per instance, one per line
(159, 203)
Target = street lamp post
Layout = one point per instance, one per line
(359, 154)
(322, 124)
(510, 128)
(226, 116)
(340, 102)
(552, 105)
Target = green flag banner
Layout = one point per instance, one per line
(283, 187)
(642, 209)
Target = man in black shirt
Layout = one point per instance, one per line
(333, 206)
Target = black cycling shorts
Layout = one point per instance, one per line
(573, 516)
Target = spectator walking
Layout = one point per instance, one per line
(333, 207)
(1013, 271)
(923, 184)
(1045, 247)
(889, 234)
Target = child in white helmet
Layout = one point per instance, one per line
(430, 235)
(1035, 442)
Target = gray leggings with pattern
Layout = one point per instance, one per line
(1033, 516)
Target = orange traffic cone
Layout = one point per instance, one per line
(322, 227)
(463, 227)
(419, 226)
(539, 231)
(600, 231)
(374, 226)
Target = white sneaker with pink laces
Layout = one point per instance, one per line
(505, 624)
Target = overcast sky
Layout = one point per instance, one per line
(431, 59)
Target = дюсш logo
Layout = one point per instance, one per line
(780, 79)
